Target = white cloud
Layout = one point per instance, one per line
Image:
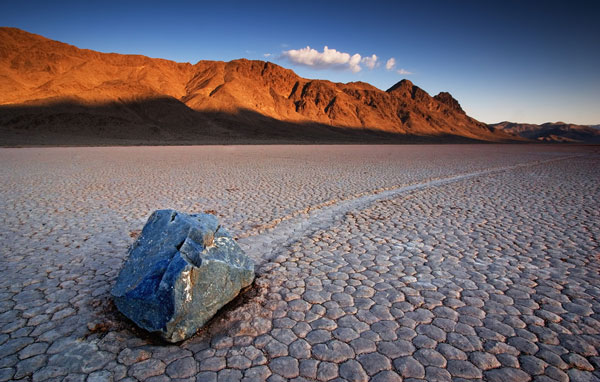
(267, 55)
(402, 71)
(389, 65)
(328, 58)
(370, 62)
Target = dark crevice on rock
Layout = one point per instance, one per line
(179, 245)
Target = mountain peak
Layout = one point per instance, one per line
(447, 99)
(401, 85)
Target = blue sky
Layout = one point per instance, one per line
(521, 61)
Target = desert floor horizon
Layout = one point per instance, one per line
(465, 262)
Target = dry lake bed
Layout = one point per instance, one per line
(382, 263)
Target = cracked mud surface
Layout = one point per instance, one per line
(385, 263)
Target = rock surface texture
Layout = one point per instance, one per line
(180, 272)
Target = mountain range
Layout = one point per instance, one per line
(55, 93)
(552, 131)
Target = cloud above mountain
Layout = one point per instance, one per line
(370, 62)
(329, 59)
(390, 64)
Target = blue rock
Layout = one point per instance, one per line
(181, 270)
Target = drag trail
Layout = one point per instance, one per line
(271, 239)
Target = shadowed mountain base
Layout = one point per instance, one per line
(167, 121)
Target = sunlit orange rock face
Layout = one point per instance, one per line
(36, 71)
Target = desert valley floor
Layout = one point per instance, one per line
(382, 263)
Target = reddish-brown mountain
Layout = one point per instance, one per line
(53, 92)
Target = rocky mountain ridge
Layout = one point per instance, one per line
(52, 91)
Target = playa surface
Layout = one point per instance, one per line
(384, 263)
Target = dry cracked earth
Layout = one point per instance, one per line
(382, 263)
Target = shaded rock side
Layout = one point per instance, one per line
(179, 273)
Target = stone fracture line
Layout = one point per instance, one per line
(275, 240)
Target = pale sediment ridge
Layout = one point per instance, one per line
(267, 241)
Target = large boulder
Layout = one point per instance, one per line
(181, 270)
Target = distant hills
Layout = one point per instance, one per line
(552, 131)
(55, 93)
